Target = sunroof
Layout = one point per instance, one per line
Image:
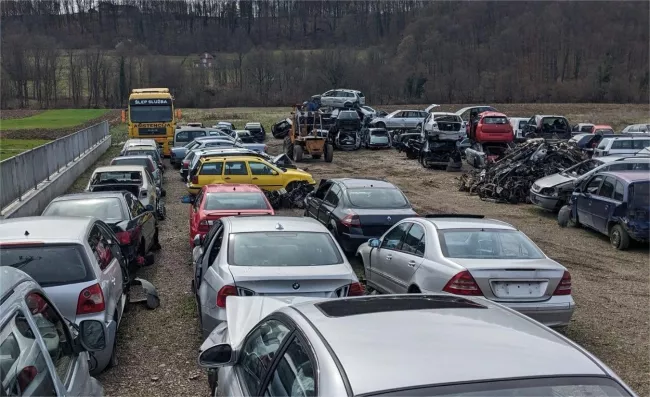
(380, 304)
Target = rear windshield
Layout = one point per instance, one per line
(495, 120)
(451, 118)
(586, 128)
(108, 209)
(487, 244)
(247, 139)
(640, 193)
(348, 115)
(152, 153)
(235, 201)
(522, 124)
(387, 198)
(604, 131)
(117, 177)
(283, 249)
(49, 265)
(603, 144)
(126, 161)
(379, 133)
(553, 123)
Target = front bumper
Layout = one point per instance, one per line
(556, 312)
(545, 202)
(193, 190)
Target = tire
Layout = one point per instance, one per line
(619, 238)
(287, 146)
(381, 124)
(156, 243)
(411, 156)
(329, 153)
(564, 216)
(297, 153)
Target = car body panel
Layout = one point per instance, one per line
(146, 191)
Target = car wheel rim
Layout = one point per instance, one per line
(616, 238)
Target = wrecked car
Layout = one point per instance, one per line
(281, 129)
(377, 138)
(554, 191)
(257, 130)
(400, 119)
(548, 126)
(345, 133)
(616, 204)
(491, 134)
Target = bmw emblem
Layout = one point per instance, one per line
(296, 286)
(389, 219)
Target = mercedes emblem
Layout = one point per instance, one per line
(296, 285)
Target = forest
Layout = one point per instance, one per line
(224, 53)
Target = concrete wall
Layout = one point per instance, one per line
(35, 201)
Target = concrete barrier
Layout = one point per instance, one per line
(34, 201)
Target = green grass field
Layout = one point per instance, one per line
(52, 119)
(13, 147)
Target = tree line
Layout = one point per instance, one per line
(89, 53)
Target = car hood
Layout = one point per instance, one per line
(524, 264)
(553, 180)
(298, 173)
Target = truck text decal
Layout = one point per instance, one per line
(144, 102)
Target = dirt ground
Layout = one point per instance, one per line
(158, 349)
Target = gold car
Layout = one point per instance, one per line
(244, 169)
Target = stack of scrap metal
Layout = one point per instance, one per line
(509, 179)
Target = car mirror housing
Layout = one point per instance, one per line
(92, 335)
(220, 355)
(374, 242)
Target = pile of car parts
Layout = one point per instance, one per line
(509, 179)
(293, 197)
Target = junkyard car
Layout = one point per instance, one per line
(470, 256)
(554, 191)
(518, 124)
(377, 138)
(267, 255)
(135, 226)
(625, 145)
(145, 150)
(257, 130)
(444, 125)
(548, 126)
(191, 161)
(636, 129)
(214, 202)
(40, 353)
(281, 128)
(341, 98)
(247, 170)
(602, 129)
(344, 134)
(317, 347)
(185, 135)
(224, 124)
(616, 204)
(79, 265)
(355, 210)
(179, 153)
(138, 142)
(146, 161)
(403, 119)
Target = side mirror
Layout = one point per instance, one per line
(149, 207)
(198, 240)
(374, 243)
(220, 355)
(187, 199)
(92, 335)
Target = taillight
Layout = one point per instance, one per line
(356, 289)
(564, 288)
(91, 300)
(186, 163)
(593, 145)
(204, 226)
(351, 220)
(463, 284)
(224, 292)
(123, 237)
(26, 376)
(195, 179)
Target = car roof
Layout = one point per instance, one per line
(603, 126)
(623, 159)
(463, 110)
(231, 187)
(45, 228)
(119, 168)
(629, 176)
(216, 157)
(134, 156)
(443, 114)
(421, 345)
(141, 147)
(458, 222)
(491, 113)
(362, 182)
(90, 195)
(270, 224)
(550, 115)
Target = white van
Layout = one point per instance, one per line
(625, 145)
(518, 124)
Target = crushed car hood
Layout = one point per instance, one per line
(553, 180)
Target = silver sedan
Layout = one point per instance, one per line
(267, 255)
(400, 119)
(470, 256)
(396, 345)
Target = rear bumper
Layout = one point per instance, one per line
(545, 202)
(193, 190)
(556, 312)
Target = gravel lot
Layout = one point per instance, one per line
(158, 349)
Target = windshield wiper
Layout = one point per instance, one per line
(24, 262)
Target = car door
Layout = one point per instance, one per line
(397, 121)
(407, 259)
(315, 200)
(236, 172)
(329, 203)
(208, 252)
(147, 222)
(294, 371)
(110, 272)
(326, 99)
(585, 200)
(603, 204)
(195, 213)
(381, 257)
(265, 176)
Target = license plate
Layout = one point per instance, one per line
(517, 289)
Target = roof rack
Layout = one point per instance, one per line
(470, 216)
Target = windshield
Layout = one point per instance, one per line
(283, 249)
(47, 264)
(640, 193)
(135, 161)
(150, 114)
(581, 168)
(495, 120)
(603, 144)
(108, 209)
(348, 115)
(385, 198)
(235, 201)
(117, 177)
(487, 244)
(383, 133)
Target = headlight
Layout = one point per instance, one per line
(549, 191)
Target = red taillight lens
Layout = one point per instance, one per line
(204, 226)
(463, 284)
(91, 300)
(351, 220)
(186, 163)
(356, 289)
(26, 376)
(195, 179)
(224, 292)
(123, 237)
(564, 288)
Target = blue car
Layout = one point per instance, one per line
(616, 204)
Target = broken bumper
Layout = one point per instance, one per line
(545, 202)
(557, 313)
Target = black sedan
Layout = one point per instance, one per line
(356, 210)
(135, 226)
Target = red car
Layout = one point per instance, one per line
(219, 200)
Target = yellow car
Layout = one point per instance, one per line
(247, 170)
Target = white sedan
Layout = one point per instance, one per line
(401, 119)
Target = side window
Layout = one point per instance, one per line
(393, 239)
(197, 134)
(619, 191)
(235, 168)
(414, 240)
(138, 207)
(258, 352)
(294, 374)
(197, 201)
(622, 144)
(23, 366)
(607, 188)
(619, 167)
(640, 144)
(258, 168)
(211, 169)
(132, 202)
(100, 247)
(214, 251)
(53, 331)
(322, 189)
(208, 237)
(594, 184)
(333, 196)
(183, 136)
(641, 166)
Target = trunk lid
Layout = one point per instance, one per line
(66, 296)
(520, 280)
(313, 281)
(375, 222)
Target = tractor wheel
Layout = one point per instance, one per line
(287, 147)
(297, 153)
(329, 153)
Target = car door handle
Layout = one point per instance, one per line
(255, 178)
(389, 257)
(227, 177)
(411, 263)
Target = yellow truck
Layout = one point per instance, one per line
(151, 115)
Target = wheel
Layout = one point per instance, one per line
(297, 153)
(160, 211)
(156, 243)
(329, 153)
(347, 105)
(619, 237)
(381, 124)
(288, 147)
